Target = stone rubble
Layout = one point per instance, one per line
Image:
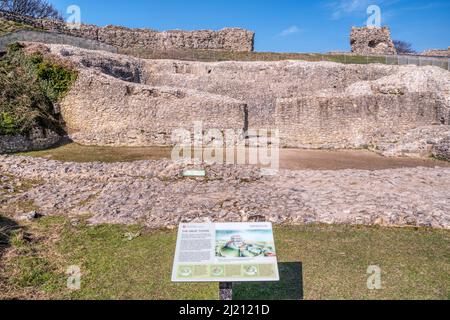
(155, 193)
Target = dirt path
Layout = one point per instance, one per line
(349, 159)
(291, 159)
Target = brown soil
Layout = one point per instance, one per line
(292, 159)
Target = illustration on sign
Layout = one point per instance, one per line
(225, 252)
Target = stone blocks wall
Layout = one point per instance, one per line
(125, 101)
(442, 150)
(35, 140)
(351, 121)
(437, 53)
(53, 38)
(102, 110)
(372, 40)
(230, 39)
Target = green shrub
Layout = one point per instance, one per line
(57, 80)
(31, 84)
(7, 125)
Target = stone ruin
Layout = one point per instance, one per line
(125, 101)
(228, 39)
(372, 40)
(437, 52)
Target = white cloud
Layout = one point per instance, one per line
(343, 8)
(289, 31)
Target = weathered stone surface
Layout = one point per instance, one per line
(154, 193)
(372, 40)
(437, 52)
(35, 140)
(441, 150)
(340, 121)
(419, 143)
(30, 216)
(128, 114)
(314, 105)
(230, 39)
(55, 38)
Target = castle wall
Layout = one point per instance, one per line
(124, 101)
(437, 53)
(230, 39)
(352, 121)
(259, 84)
(102, 110)
(53, 38)
(372, 40)
(37, 139)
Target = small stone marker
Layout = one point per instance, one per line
(194, 173)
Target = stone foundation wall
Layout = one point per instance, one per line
(53, 38)
(442, 149)
(119, 100)
(437, 53)
(372, 40)
(37, 139)
(230, 39)
(102, 110)
(348, 122)
(259, 84)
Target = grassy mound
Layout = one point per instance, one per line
(31, 85)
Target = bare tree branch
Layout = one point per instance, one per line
(35, 8)
(403, 47)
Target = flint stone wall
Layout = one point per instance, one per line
(352, 121)
(102, 110)
(120, 100)
(372, 40)
(437, 53)
(53, 38)
(442, 149)
(230, 39)
(37, 139)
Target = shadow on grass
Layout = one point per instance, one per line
(290, 286)
(7, 227)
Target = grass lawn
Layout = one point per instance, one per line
(216, 56)
(131, 262)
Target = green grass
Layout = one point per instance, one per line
(214, 56)
(7, 26)
(316, 262)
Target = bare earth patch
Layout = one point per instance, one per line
(290, 159)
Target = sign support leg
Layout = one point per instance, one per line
(226, 291)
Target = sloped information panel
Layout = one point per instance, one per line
(225, 252)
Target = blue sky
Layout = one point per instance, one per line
(282, 25)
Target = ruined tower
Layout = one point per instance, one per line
(372, 40)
